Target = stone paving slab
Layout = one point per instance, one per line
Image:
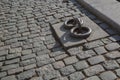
(29, 50)
(68, 41)
(108, 10)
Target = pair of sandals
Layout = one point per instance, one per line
(76, 28)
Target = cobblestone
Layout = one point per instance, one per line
(77, 76)
(16, 70)
(81, 65)
(2, 74)
(30, 50)
(58, 65)
(9, 78)
(48, 72)
(8, 67)
(67, 70)
(2, 58)
(11, 56)
(96, 60)
(61, 57)
(12, 61)
(62, 78)
(108, 76)
(31, 66)
(113, 55)
(86, 54)
(4, 52)
(100, 50)
(27, 62)
(111, 64)
(57, 53)
(26, 75)
(36, 78)
(106, 41)
(74, 51)
(112, 46)
(28, 56)
(44, 59)
(118, 72)
(25, 52)
(93, 78)
(94, 70)
(70, 60)
(93, 44)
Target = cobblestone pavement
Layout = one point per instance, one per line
(29, 51)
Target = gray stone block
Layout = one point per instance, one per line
(57, 53)
(28, 51)
(2, 74)
(3, 52)
(113, 55)
(67, 70)
(28, 56)
(118, 72)
(44, 62)
(100, 50)
(2, 58)
(27, 62)
(112, 46)
(58, 65)
(70, 60)
(81, 65)
(77, 76)
(16, 70)
(12, 77)
(108, 75)
(86, 54)
(61, 57)
(93, 70)
(93, 44)
(26, 74)
(36, 78)
(106, 40)
(62, 78)
(12, 61)
(93, 78)
(48, 72)
(75, 50)
(111, 64)
(8, 67)
(96, 59)
(68, 41)
(31, 66)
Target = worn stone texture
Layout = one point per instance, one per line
(77, 76)
(48, 72)
(68, 41)
(29, 49)
(108, 75)
(94, 70)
